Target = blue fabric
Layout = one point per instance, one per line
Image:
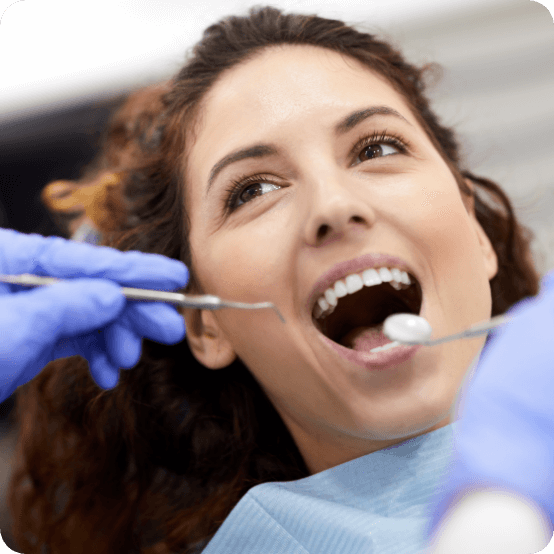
(376, 504)
(87, 233)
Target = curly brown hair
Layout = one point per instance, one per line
(132, 131)
(156, 464)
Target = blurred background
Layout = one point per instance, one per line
(65, 65)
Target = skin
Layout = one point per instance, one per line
(331, 205)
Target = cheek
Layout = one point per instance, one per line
(437, 221)
(441, 223)
(441, 205)
(455, 256)
(232, 264)
(249, 261)
(425, 203)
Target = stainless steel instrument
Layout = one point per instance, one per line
(202, 302)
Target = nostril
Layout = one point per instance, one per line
(322, 231)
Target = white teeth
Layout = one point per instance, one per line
(396, 275)
(385, 275)
(370, 278)
(340, 289)
(405, 278)
(400, 279)
(354, 283)
(396, 278)
(317, 311)
(331, 297)
(388, 346)
(324, 305)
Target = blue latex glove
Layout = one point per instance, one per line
(88, 316)
(505, 435)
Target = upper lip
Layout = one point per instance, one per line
(343, 269)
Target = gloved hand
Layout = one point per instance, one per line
(88, 316)
(504, 439)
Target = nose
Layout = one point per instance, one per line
(335, 210)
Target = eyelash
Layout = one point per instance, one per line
(238, 185)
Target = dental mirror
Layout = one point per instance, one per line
(413, 329)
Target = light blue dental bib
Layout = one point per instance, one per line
(376, 504)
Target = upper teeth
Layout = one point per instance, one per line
(353, 283)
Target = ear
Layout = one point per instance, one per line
(489, 255)
(206, 339)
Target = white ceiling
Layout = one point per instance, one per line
(55, 50)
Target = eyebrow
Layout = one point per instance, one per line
(265, 150)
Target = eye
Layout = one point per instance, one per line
(252, 191)
(245, 189)
(376, 151)
(378, 145)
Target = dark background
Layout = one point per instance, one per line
(36, 150)
(42, 148)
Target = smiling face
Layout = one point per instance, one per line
(341, 169)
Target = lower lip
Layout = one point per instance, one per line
(375, 361)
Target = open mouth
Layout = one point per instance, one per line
(367, 309)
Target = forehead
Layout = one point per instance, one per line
(284, 95)
(286, 84)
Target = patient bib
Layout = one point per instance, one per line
(375, 504)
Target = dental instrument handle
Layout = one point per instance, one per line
(201, 302)
(473, 331)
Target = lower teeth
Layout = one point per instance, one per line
(388, 346)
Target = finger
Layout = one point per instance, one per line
(72, 308)
(156, 321)
(61, 258)
(5, 289)
(58, 257)
(104, 373)
(19, 251)
(33, 321)
(123, 346)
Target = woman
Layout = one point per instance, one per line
(295, 152)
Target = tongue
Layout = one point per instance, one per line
(365, 338)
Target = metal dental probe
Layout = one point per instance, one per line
(201, 302)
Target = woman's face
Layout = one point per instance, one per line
(322, 195)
